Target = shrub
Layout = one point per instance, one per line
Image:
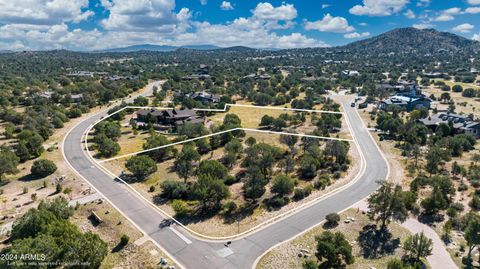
(230, 180)
(229, 207)
(124, 240)
(301, 193)
(333, 218)
(43, 168)
(58, 188)
(278, 201)
(173, 189)
(181, 208)
(283, 185)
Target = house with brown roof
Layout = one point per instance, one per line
(162, 119)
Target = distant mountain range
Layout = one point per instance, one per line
(407, 40)
(163, 48)
(401, 40)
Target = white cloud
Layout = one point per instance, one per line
(448, 14)
(203, 2)
(43, 12)
(363, 24)
(444, 17)
(324, 6)
(463, 28)
(226, 5)
(330, 24)
(144, 16)
(423, 3)
(476, 37)
(473, 10)
(410, 14)
(240, 33)
(157, 22)
(453, 11)
(422, 26)
(51, 37)
(265, 11)
(474, 2)
(356, 35)
(379, 7)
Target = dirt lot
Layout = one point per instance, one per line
(285, 255)
(216, 226)
(136, 254)
(463, 104)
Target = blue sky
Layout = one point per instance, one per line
(100, 24)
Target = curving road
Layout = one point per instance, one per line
(191, 252)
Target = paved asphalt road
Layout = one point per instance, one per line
(193, 253)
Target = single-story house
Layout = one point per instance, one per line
(204, 97)
(77, 98)
(169, 118)
(46, 94)
(196, 76)
(351, 73)
(461, 123)
(409, 103)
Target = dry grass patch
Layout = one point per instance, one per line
(286, 254)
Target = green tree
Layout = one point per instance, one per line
(213, 169)
(262, 156)
(435, 202)
(290, 141)
(254, 187)
(418, 246)
(8, 162)
(210, 191)
(32, 223)
(332, 218)
(192, 130)
(58, 206)
(472, 234)
(184, 162)
(156, 141)
(435, 157)
(333, 250)
(387, 203)
(141, 166)
(107, 147)
(457, 88)
(140, 101)
(283, 185)
(338, 150)
(308, 166)
(42, 168)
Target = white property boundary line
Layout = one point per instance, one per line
(260, 226)
(222, 132)
(172, 257)
(254, 266)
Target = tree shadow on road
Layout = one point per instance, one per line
(376, 242)
(430, 219)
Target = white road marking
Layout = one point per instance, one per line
(185, 239)
(224, 252)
